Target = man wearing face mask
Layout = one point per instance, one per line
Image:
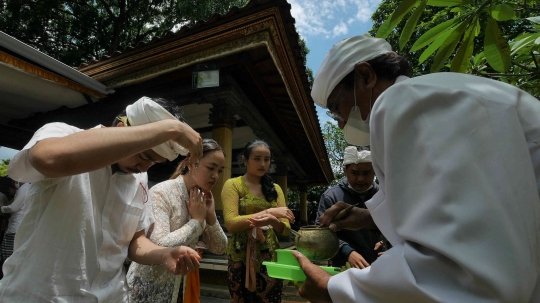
(355, 246)
(458, 163)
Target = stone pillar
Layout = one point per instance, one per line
(222, 120)
(303, 205)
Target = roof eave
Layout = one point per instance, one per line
(54, 65)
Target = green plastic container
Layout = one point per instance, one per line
(285, 256)
(293, 272)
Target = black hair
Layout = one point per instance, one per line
(170, 106)
(386, 66)
(267, 184)
(208, 146)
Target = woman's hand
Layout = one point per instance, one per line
(197, 205)
(380, 248)
(282, 212)
(181, 260)
(263, 220)
(210, 208)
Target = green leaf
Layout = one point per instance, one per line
(411, 24)
(448, 47)
(448, 3)
(459, 9)
(434, 46)
(477, 32)
(502, 12)
(433, 34)
(463, 56)
(534, 19)
(523, 41)
(479, 57)
(403, 8)
(385, 26)
(496, 47)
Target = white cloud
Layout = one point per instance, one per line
(364, 14)
(340, 29)
(325, 17)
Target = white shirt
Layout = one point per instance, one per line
(16, 209)
(73, 240)
(458, 159)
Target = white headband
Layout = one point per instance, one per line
(340, 61)
(353, 156)
(146, 111)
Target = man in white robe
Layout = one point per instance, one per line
(458, 160)
(84, 210)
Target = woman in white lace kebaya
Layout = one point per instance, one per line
(184, 209)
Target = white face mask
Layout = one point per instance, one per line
(363, 191)
(356, 130)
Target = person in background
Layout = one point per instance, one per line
(16, 211)
(184, 209)
(458, 163)
(84, 209)
(3, 199)
(4, 217)
(254, 210)
(355, 246)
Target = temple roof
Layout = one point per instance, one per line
(264, 90)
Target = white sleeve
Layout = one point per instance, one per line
(20, 168)
(18, 201)
(459, 196)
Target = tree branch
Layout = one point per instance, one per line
(133, 6)
(108, 9)
(527, 68)
(534, 59)
(528, 8)
(509, 75)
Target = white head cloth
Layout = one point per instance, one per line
(146, 111)
(353, 156)
(340, 61)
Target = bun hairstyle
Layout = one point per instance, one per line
(208, 146)
(267, 184)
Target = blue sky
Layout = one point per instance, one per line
(322, 23)
(7, 153)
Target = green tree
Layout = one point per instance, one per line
(4, 163)
(304, 50)
(491, 38)
(73, 31)
(335, 145)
